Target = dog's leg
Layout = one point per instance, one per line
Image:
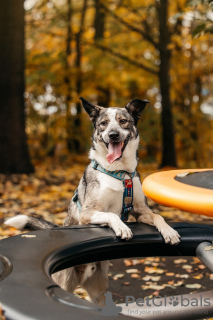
(144, 214)
(106, 218)
(97, 284)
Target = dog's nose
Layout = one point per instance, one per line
(114, 135)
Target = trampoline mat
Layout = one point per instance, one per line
(202, 179)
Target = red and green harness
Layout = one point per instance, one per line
(128, 188)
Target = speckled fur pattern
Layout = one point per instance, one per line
(101, 195)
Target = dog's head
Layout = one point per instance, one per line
(115, 127)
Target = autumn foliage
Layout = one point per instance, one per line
(110, 52)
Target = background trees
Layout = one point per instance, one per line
(110, 52)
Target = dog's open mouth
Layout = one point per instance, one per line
(115, 150)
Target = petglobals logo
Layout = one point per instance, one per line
(159, 301)
(182, 305)
(147, 307)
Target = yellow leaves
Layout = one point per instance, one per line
(193, 286)
(135, 276)
(153, 286)
(154, 270)
(107, 34)
(180, 261)
(118, 276)
(2, 317)
(28, 236)
(46, 193)
(81, 293)
(132, 270)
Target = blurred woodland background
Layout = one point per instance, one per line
(108, 52)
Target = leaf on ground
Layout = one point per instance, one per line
(118, 276)
(153, 286)
(135, 275)
(152, 278)
(199, 276)
(187, 266)
(154, 270)
(177, 261)
(132, 271)
(193, 286)
(126, 283)
(182, 276)
(28, 236)
(2, 317)
(201, 266)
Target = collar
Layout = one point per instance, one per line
(118, 174)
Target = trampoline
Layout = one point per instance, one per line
(188, 190)
(27, 291)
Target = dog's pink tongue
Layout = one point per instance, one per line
(114, 151)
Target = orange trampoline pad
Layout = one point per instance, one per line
(164, 189)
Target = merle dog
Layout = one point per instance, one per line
(105, 192)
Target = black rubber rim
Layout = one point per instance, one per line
(28, 292)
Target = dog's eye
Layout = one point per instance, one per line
(103, 123)
(123, 121)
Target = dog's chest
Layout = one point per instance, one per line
(112, 192)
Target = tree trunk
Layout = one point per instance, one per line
(77, 120)
(13, 142)
(168, 156)
(69, 129)
(103, 98)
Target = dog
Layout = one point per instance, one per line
(105, 192)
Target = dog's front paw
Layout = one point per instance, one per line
(122, 231)
(170, 235)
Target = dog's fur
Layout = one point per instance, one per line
(115, 144)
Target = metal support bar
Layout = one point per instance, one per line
(206, 256)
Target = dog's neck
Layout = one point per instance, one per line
(128, 161)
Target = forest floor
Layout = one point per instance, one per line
(47, 193)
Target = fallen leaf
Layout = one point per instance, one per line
(28, 236)
(132, 270)
(1, 313)
(135, 275)
(187, 266)
(178, 283)
(193, 286)
(152, 278)
(201, 266)
(199, 276)
(183, 276)
(154, 270)
(118, 276)
(177, 261)
(153, 286)
(127, 262)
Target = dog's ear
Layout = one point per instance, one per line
(135, 108)
(92, 110)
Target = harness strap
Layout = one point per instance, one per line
(118, 174)
(128, 188)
